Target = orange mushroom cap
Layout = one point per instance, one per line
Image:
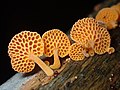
(76, 52)
(56, 43)
(84, 31)
(91, 35)
(109, 16)
(24, 49)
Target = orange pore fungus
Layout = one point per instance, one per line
(76, 52)
(56, 43)
(24, 49)
(84, 31)
(92, 36)
(109, 16)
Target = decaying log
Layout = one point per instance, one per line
(100, 72)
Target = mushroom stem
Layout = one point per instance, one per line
(56, 63)
(90, 44)
(42, 65)
(85, 53)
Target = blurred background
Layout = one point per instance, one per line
(36, 16)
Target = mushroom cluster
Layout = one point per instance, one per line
(109, 16)
(90, 37)
(24, 49)
(84, 32)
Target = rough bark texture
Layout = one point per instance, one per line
(100, 72)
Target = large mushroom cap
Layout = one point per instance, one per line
(20, 46)
(56, 39)
(91, 35)
(109, 16)
(84, 31)
(76, 52)
(56, 43)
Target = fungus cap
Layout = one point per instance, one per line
(91, 35)
(56, 39)
(20, 46)
(56, 43)
(109, 16)
(84, 31)
(76, 52)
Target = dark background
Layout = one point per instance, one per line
(16, 16)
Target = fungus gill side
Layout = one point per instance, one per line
(56, 43)
(85, 32)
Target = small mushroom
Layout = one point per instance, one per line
(24, 49)
(56, 43)
(76, 52)
(84, 32)
(109, 16)
(102, 43)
